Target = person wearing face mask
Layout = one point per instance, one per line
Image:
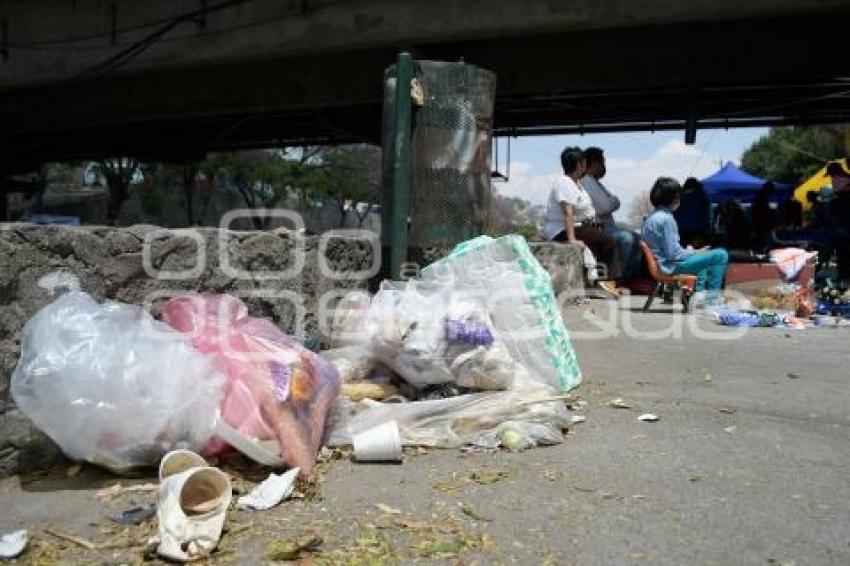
(661, 233)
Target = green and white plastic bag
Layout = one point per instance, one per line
(521, 302)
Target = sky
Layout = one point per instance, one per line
(634, 160)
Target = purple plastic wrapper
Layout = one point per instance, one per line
(468, 331)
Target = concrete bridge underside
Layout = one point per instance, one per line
(172, 79)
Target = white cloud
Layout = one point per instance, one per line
(526, 183)
(627, 178)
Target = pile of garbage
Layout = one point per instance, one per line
(833, 298)
(789, 305)
(113, 386)
(474, 353)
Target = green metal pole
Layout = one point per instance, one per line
(401, 165)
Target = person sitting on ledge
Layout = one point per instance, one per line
(661, 233)
(570, 217)
(605, 204)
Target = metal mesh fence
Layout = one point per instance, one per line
(450, 190)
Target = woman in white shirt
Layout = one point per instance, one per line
(570, 217)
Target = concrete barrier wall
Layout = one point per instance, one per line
(565, 263)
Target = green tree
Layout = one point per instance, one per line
(352, 177)
(790, 154)
(264, 177)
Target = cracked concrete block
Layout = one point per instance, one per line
(564, 262)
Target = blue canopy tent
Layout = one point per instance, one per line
(732, 183)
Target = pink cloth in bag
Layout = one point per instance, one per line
(276, 387)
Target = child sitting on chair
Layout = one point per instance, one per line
(661, 233)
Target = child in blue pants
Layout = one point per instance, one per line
(661, 233)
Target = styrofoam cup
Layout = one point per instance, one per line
(378, 444)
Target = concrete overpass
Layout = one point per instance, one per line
(171, 79)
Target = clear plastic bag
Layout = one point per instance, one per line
(349, 316)
(111, 385)
(353, 363)
(434, 334)
(472, 419)
(517, 293)
(277, 389)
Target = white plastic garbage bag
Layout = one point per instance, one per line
(431, 334)
(517, 294)
(111, 385)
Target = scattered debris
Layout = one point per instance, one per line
(283, 550)
(728, 410)
(114, 491)
(439, 549)
(384, 508)
(79, 541)
(649, 418)
(409, 524)
(513, 439)
(482, 477)
(618, 403)
(450, 486)
(265, 453)
(566, 397)
(135, 516)
(270, 492)
(368, 390)
(488, 476)
(550, 475)
(578, 419)
(469, 512)
(378, 444)
(13, 544)
(73, 471)
(368, 541)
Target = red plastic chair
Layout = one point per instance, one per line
(686, 282)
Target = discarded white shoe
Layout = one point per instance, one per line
(178, 461)
(191, 512)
